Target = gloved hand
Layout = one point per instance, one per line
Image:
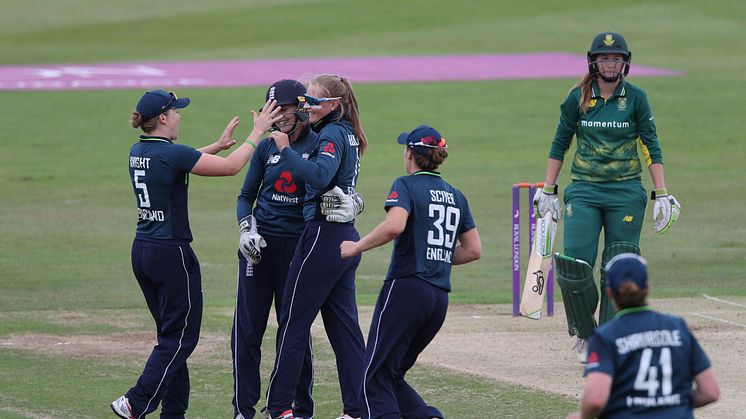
(665, 211)
(545, 199)
(250, 243)
(338, 207)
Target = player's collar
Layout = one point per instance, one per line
(631, 310)
(154, 138)
(427, 172)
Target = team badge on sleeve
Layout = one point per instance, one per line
(328, 150)
(393, 197)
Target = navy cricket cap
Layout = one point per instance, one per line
(285, 92)
(627, 267)
(422, 138)
(156, 102)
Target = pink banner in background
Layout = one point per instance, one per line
(264, 72)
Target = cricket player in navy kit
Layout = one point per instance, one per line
(642, 363)
(319, 279)
(426, 218)
(164, 264)
(276, 222)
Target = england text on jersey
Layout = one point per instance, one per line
(439, 254)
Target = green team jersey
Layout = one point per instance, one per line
(608, 134)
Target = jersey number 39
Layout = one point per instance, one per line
(445, 220)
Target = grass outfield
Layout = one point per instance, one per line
(66, 202)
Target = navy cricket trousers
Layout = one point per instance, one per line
(170, 280)
(408, 314)
(257, 286)
(319, 280)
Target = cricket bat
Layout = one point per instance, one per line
(539, 262)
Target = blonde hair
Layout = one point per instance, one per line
(433, 158)
(338, 86)
(146, 126)
(585, 92)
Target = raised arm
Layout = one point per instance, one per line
(210, 165)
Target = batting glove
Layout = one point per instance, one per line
(665, 211)
(545, 199)
(250, 243)
(338, 207)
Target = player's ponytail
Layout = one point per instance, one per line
(146, 126)
(432, 159)
(338, 86)
(630, 295)
(585, 92)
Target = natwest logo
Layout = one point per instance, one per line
(285, 183)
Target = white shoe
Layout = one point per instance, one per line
(121, 408)
(239, 416)
(346, 416)
(581, 350)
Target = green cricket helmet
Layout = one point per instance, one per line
(609, 43)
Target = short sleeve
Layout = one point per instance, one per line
(399, 196)
(698, 361)
(468, 220)
(600, 356)
(183, 157)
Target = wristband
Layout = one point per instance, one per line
(550, 189)
(658, 193)
(253, 144)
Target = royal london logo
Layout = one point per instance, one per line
(609, 40)
(621, 104)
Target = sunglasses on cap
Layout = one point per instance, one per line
(171, 100)
(315, 101)
(431, 142)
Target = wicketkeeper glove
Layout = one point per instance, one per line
(546, 199)
(250, 243)
(338, 207)
(665, 211)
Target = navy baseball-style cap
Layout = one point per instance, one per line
(285, 92)
(627, 267)
(422, 138)
(156, 102)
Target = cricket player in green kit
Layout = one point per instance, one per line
(613, 122)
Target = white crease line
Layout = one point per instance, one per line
(720, 320)
(723, 301)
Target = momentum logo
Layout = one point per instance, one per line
(604, 124)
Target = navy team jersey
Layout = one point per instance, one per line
(652, 358)
(159, 173)
(438, 215)
(281, 192)
(335, 162)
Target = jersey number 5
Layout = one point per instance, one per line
(143, 197)
(647, 375)
(443, 218)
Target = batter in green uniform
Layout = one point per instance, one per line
(613, 123)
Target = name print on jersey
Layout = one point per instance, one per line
(444, 217)
(141, 188)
